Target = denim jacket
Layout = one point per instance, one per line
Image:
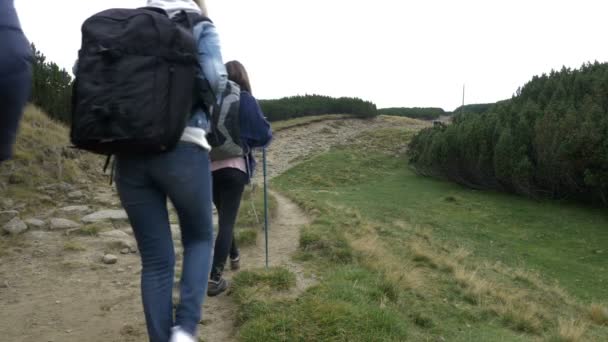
(212, 67)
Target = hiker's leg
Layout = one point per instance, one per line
(230, 183)
(146, 206)
(14, 93)
(234, 249)
(188, 183)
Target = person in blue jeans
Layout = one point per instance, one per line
(15, 76)
(183, 175)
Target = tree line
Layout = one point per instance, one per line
(414, 113)
(549, 140)
(478, 108)
(51, 87)
(52, 91)
(309, 105)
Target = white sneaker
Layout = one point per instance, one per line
(179, 335)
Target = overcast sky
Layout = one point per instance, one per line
(392, 52)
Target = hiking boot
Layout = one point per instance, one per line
(215, 287)
(235, 263)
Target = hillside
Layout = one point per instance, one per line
(43, 158)
(408, 258)
(73, 274)
(361, 249)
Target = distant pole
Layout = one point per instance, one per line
(265, 206)
(462, 108)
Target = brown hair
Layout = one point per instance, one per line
(238, 74)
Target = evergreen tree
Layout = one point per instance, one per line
(550, 139)
(51, 87)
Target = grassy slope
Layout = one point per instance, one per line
(403, 257)
(285, 124)
(43, 157)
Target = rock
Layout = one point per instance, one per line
(35, 223)
(110, 259)
(75, 195)
(8, 215)
(15, 226)
(7, 203)
(115, 234)
(130, 245)
(106, 198)
(59, 224)
(75, 209)
(45, 198)
(54, 187)
(38, 235)
(125, 251)
(105, 215)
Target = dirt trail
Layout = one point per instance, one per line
(283, 238)
(55, 288)
(292, 146)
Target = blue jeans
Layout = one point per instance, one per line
(144, 183)
(14, 93)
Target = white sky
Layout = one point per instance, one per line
(393, 52)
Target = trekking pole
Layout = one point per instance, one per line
(265, 206)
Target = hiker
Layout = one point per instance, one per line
(231, 175)
(183, 175)
(15, 76)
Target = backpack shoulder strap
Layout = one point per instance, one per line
(189, 20)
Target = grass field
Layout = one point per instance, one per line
(402, 257)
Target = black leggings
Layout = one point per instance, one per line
(228, 186)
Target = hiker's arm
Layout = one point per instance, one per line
(255, 129)
(210, 59)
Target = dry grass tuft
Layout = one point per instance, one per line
(570, 330)
(43, 155)
(460, 254)
(520, 316)
(376, 256)
(73, 246)
(423, 253)
(598, 314)
(475, 287)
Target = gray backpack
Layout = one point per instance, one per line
(225, 135)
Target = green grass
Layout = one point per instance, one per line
(275, 278)
(246, 237)
(251, 212)
(433, 260)
(332, 311)
(291, 123)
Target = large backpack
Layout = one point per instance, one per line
(225, 135)
(135, 81)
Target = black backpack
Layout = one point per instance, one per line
(225, 135)
(135, 82)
